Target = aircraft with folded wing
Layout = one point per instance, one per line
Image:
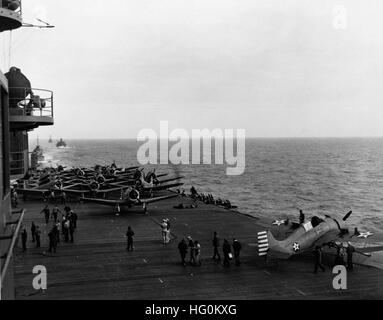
(95, 182)
(290, 238)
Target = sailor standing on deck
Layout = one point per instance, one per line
(37, 234)
(55, 212)
(216, 246)
(237, 249)
(350, 251)
(66, 230)
(33, 231)
(197, 253)
(191, 248)
(71, 230)
(129, 236)
(301, 217)
(47, 213)
(167, 230)
(74, 219)
(63, 197)
(164, 228)
(24, 236)
(57, 231)
(52, 241)
(318, 259)
(183, 250)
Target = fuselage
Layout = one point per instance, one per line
(302, 239)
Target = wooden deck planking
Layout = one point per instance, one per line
(97, 266)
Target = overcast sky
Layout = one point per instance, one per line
(275, 68)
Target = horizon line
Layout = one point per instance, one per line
(254, 137)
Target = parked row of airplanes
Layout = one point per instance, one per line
(94, 185)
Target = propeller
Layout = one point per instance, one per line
(347, 215)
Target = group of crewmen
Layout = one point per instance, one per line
(194, 248)
(206, 198)
(343, 257)
(195, 251)
(343, 251)
(67, 225)
(55, 196)
(36, 236)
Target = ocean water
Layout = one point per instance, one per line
(319, 176)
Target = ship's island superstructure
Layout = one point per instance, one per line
(23, 109)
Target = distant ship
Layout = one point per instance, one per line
(50, 139)
(61, 144)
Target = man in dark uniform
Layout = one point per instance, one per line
(193, 192)
(350, 251)
(183, 249)
(63, 197)
(37, 234)
(338, 258)
(129, 236)
(318, 259)
(71, 230)
(215, 246)
(24, 236)
(33, 231)
(301, 217)
(47, 213)
(237, 249)
(55, 212)
(66, 230)
(74, 219)
(191, 247)
(52, 241)
(56, 232)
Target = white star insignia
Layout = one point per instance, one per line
(279, 222)
(365, 234)
(296, 247)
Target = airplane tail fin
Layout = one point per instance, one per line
(265, 241)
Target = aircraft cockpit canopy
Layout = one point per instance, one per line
(316, 221)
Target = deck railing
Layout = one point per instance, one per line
(8, 255)
(31, 102)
